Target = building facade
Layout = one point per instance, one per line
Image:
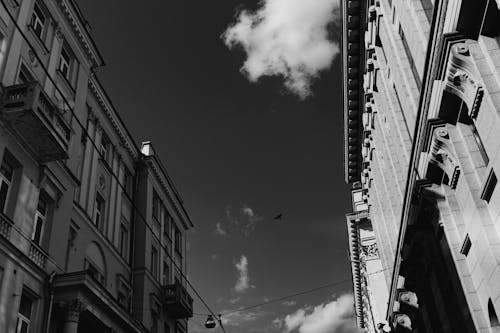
(92, 229)
(421, 90)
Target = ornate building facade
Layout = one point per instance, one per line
(92, 229)
(421, 91)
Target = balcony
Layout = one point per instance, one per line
(42, 128)
(178, 303)
(22, 242)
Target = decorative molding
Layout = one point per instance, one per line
(76, 23)
(110, 113)
(462, 78)
(73, 309)
(402, 322)
(441, 155)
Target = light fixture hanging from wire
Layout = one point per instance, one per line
(210, 322)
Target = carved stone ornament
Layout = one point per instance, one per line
(463, 79)
(402, 322)
(369, 251)
(442, 156)
(409, 298)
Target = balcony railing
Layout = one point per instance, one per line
(43, 128)
(178, 303)
(22, 242)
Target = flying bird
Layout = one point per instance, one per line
(278, 217)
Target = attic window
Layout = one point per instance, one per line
(466, 246)
(489, 187)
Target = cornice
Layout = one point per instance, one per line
(353, 56)
(169, 189)
(77, 24)
(112, 116)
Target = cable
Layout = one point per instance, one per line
(91, 140)
(275, 300)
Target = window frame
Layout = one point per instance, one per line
(42, 217)
(4, 179)
(154, 261)
(21, 317)
(38, 19)
(100, 202)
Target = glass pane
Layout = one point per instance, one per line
(25, 306)
(4, 189)
(6, 170)
(37, 234)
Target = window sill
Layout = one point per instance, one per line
(38, 40)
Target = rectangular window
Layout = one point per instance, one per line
(123, 240)
(24, 75)
(40, 221)
(410, 58)
(65, 62)
(466, 246)
(178, 240)
(156, 205)
(489, 187)
(24, 313)
(6, 174)
(99, 211)
(166, 274)
(480, 144)
(105, 148)
(154, 261)
(167, 226)
(128, 182)
(38, 21)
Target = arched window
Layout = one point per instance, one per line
(94, 263)
(495, 324)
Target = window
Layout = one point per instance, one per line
(166, 328)
(466, 246)
(6, 174)
(128, 182)
(123, 240)
(24, 313)
(166, 274)
(104, 149)
(38, 21)
(154, 261)
(65, 64)
(410, 58)
(489, 187)
(93, 271)
(167, 226)
(24, 75)
(99, 211)
(494, 322)
(40, 220)
(156, 205)
(178, 240)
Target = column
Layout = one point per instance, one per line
(93, 169)
(115, 162)
(87, 160)
(72, 317)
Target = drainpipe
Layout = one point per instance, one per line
(51, 300)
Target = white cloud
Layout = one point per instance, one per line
(241, 220)
(287, 38)
(219, 229)
(243, 282)
(289, 303)
(335, 316)
(241, 318)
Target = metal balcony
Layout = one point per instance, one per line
(178, 304)
(42, 128)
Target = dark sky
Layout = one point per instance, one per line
(229, 144)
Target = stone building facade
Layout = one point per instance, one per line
(421, 82)
(92, 229)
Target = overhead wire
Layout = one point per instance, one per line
(93, 143)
